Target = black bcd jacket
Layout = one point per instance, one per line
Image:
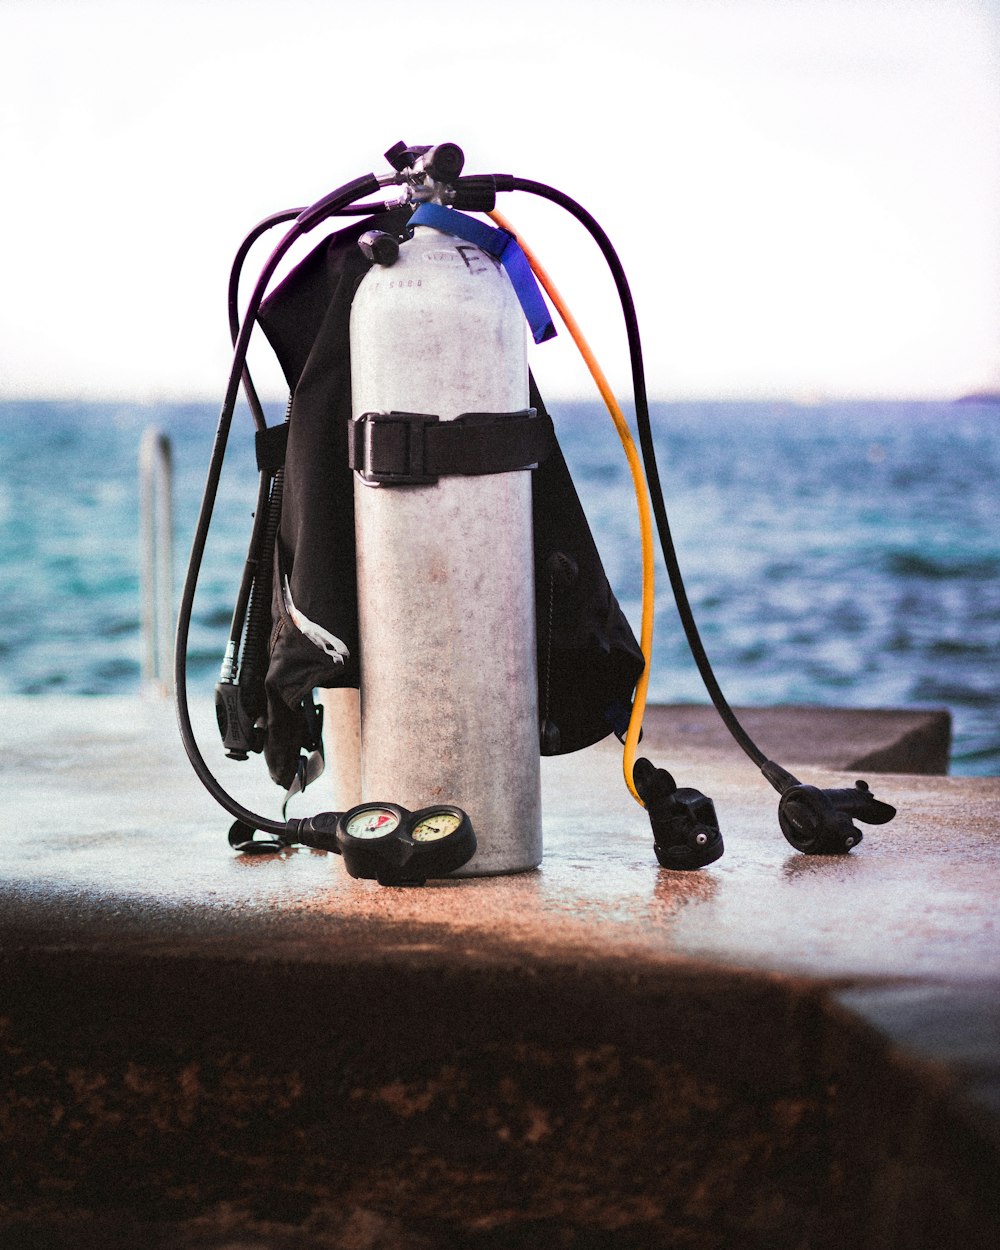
(588, 658)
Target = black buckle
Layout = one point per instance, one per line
(389, 448)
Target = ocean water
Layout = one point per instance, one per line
(842, 554)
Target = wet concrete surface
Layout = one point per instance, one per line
(775, 1050)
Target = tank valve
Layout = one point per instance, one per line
(379, 247)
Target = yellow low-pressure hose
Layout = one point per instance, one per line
(641, 495)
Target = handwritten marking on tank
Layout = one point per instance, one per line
(473, 257)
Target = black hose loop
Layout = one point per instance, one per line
(328, 206)
(648, 449)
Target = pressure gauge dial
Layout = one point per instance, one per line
(439, 824)
(443, 839)
(372, 820)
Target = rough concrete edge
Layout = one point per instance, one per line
(941, 1035)
(852, 1039)
(924, 750)
(946, 1036)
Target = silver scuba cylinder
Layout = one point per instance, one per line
(446, 601)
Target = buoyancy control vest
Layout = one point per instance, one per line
(588, 660)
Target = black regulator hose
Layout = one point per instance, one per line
(305, 221)
(684, 610)
(268, 223)
(236, 271)
(814, 821)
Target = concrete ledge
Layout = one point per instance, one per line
(474, 1106)
(205, 1050)
(877, 740)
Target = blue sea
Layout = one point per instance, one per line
(845, 554)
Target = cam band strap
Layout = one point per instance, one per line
(415, 448)
(502, 246)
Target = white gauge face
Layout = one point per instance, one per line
(373, 822)
(436, 825)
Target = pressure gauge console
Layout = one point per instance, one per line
(386, 843)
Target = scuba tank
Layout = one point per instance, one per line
(446, 601)
(418, 539)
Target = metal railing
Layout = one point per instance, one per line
(156, 528)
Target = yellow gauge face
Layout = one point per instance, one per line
(437, 825)
(373, 822)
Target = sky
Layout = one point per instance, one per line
(805, 193)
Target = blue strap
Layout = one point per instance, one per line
(501, 245)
